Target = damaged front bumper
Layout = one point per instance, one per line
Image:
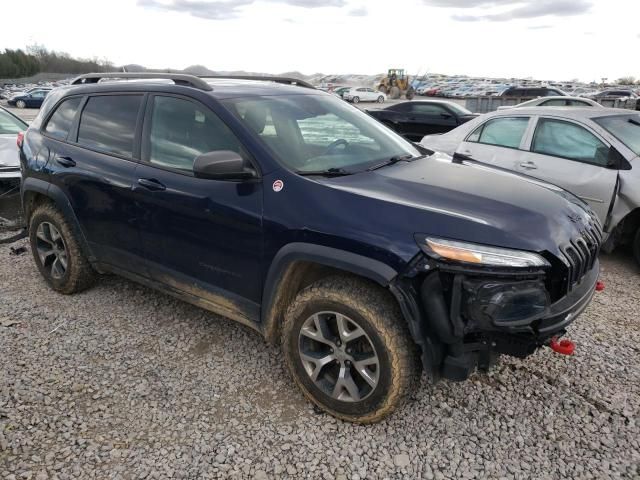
(464, 320)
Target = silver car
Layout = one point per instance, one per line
(555, 102)
(10, 126)
(592, 152)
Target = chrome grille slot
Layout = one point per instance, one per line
(581, 254)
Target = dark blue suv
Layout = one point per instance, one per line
(284, 208)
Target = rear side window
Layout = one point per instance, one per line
(181, 130)
(567, 140)
(428, 109)
(60, 122)
(9, 124)
(108, 123)
(502, 132)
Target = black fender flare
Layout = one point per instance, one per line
(363, 266)
(60, 200)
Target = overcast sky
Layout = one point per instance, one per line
(547, 39)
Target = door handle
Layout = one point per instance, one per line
(66, 161)
(151, 184)
(529, 165)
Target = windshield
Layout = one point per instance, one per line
(625, 128)
(459, 109)
(9, 124)
(310, 133)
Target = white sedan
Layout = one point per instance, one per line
(364, 94)
(10, 126)
(555, 102)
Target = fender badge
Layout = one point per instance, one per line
(278, 185)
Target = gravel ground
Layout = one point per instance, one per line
(124, 382)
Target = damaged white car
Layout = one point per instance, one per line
(10, 127)
(593, 153)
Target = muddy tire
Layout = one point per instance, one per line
(57, 252)
(349, 350)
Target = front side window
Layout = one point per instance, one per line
(568, 140)
(502, 132)
(625, 128)
(316, 132)
(10, 125)
(108, 123)
(60, 122)
(181, 130)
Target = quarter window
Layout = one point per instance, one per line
(181, 130)
(567, 140)
(502, 132)
(60, 122)
(108, 123)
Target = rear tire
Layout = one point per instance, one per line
(57, 252)
(348, 348)
(636, 246)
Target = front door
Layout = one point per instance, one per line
(202, 237)
(571, 156)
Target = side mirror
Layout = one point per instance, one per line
(222, 165)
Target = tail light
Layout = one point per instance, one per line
(20, 139)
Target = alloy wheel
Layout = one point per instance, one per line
(52, 250)
(339, 356)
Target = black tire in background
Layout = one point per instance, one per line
(376, 328)
(57, 252)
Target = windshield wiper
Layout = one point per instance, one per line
(329, 172)
(394, 160)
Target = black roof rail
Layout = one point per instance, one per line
(264, 78)
(178, 78)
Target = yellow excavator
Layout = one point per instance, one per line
(396, 84)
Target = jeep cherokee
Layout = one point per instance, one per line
(367, 257)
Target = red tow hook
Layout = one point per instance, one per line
(563, 347)
(599, 286)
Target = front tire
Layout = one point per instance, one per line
(636, 246)
(348, 349)
(21, 104)
(356, 100)
(380, 99)
(57, 252)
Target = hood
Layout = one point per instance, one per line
(469, 202)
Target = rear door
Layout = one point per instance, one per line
(93, 163)
(202, 237)
(570, 155)
(500, 141)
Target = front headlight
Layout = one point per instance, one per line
(472, 253)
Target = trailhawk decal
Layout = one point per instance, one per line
(278, 185)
